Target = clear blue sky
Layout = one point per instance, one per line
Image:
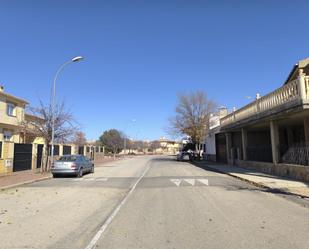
(140, 54)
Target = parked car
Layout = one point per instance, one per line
(72, 165)
(183, 156)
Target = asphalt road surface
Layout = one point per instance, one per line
(150, 202)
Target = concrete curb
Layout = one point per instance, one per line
(257, 184)
(25, 183)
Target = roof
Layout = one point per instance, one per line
(294, 72)
(14, 98)
(33, 117)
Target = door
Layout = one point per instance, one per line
(39, 155)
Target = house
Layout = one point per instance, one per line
(12, 113)
(168, 146)
(271, 134)
(211, 146)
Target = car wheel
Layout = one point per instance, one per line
(80, 173)
(92, 169)
(55, 175)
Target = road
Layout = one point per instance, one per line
(150, 202)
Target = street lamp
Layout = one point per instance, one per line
(75, 59)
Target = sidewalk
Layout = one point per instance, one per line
(22, 177)
(272, 182)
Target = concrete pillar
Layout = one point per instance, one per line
(85, 150)
(34, 156)
(274, 136)
(228, 137)
(306, 130)
(244, 138)
(60, 149)
(302, 84)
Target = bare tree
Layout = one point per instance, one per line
(79, 138)
(192, 117)
(41, 126)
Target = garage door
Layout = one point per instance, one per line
(221, 155)
(22, 157)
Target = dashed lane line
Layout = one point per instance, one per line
(98, 235)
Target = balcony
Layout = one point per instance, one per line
(294, 94)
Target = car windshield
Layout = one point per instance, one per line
(67, 158)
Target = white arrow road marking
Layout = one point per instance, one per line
(101, 179)
(176, 181)
(190, 181)
(204, 181)
(78, 179)
(89, 179)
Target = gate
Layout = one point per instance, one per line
(39, 155)
(22, 157)
(81, 150)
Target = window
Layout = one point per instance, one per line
(10, 109)
(7, 135)
(0, 149)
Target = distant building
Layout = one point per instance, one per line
(271, 133)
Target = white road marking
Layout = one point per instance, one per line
(190, 181)
(78, 179)
(89, 179)
(204, 181)
(98, 235)
(176, 181)
(101, 179)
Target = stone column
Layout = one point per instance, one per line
(244, 138)
(228, 137)
(274, 136)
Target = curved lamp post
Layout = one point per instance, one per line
(75, 59)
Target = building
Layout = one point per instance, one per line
(271, 134)
(168, 146)
(20, 148)
(12, 114)
(211, 146)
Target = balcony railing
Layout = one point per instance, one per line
(293, 92)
